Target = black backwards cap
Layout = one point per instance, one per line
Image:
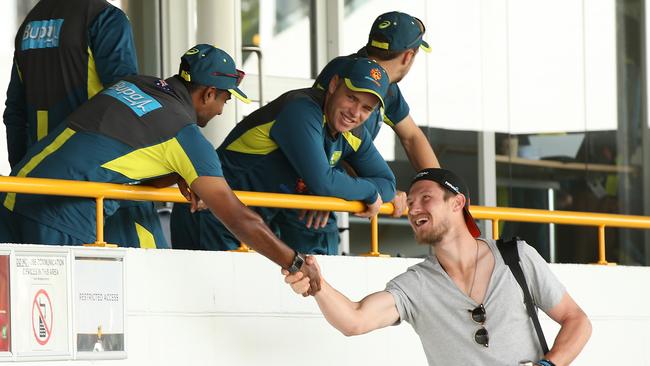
(454, 184)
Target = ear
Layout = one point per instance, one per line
(407, 57)
(209, 93)
(334, 82)
(459, 202)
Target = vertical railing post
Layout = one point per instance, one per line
(495, 229)
(99, 209)
(374, 238)
(243, 248)
(374, 235)
(601, 245)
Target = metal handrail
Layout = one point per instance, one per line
(101, 191)
(260, 70)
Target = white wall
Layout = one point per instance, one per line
(215, 308)
(233, 309)
(521, 66)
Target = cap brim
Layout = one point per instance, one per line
(471, 224)
(425, 46)
(361, 88)
(239, 95)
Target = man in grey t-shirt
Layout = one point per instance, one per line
(463, 302)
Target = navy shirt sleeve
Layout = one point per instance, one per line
(368, 163)
(396, 106)
(111, 41)
(198, 158)
(15, 118)
(298, 132)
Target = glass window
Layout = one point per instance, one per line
(281, 29)
(593, 160)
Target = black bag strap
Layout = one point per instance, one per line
(510, 255)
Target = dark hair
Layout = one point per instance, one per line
(190, 86)
(194, 87)
(448, 194)
(380, 53)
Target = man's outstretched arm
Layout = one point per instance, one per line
(375, 311)
(247, 225)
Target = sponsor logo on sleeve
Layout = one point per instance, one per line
(134, 98)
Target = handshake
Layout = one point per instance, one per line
(308, 280)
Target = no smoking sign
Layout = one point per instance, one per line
(42, 317)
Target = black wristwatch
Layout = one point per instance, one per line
(298, 261)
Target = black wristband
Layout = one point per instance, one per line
(297, 263)
(545, 362)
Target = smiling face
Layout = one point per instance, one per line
(431, 211)
(346, 109)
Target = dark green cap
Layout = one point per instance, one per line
(397, 31)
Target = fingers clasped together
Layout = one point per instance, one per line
(308, 280)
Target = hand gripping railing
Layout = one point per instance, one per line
(101, 191)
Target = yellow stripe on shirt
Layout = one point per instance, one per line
(41, 124)
(155, 161)
(255, 141)
(10, 200)
(94, 83)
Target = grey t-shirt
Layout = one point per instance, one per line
(428, 299)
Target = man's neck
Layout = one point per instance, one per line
(391, 68)
(457, 253)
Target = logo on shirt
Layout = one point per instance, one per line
(41, 34)
(134, 98)
(336, 155)
(301, 186)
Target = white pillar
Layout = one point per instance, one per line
(487, 177)
(219, 23)
(177, 22)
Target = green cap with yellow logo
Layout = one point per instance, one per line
(364, 75)
(397, 31)
(207, 65)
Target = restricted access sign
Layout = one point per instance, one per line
(42, 305)
(99, 306)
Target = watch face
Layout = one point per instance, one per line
(298, 261)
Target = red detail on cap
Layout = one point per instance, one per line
(471, 224)
(375, 73)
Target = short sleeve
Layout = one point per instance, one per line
(405, 289)
(546, 289)
(195, 156)
(396, 106)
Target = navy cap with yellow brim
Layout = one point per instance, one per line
(397, 31)
(207, 65)
(367, 76)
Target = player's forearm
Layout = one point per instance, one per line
(419, 152)
(251, 230)
(574, 334)
(338, 310)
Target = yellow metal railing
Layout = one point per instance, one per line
(101, 191)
